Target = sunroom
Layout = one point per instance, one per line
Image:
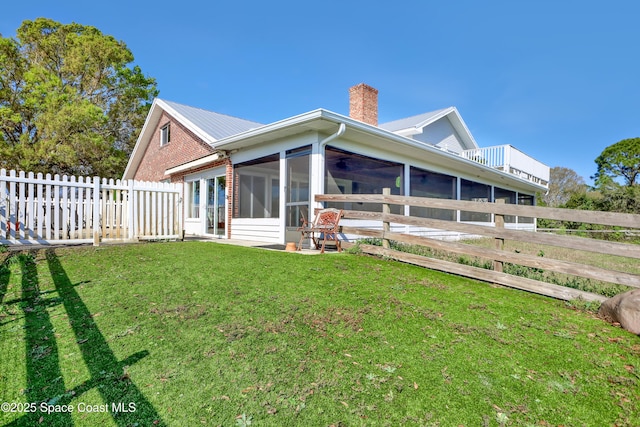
(277, 172)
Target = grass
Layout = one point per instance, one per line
(209, 334)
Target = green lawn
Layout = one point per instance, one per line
(199, 333)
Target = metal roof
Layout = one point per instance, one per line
(413, 121)
(217, 125)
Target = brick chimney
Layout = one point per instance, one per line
(363, 104)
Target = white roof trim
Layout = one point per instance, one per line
(138, 151)
(187, 123)
(144, 139)
(196, 163)
(235, 141)
(253, 136)
(417, 127)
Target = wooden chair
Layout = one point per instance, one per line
(325, 227)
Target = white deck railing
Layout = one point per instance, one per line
(510, 160)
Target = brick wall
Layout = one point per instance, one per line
(183, 147)
(230, 187)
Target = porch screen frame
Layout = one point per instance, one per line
(261, 178)
(361, 174)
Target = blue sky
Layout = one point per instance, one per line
(557, 79)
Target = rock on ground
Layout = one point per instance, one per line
(624, 309)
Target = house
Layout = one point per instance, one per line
(246, 180)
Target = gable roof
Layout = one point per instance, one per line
(207, 125)
(416, 121)
(330, 125)
(414, 125)
(240, 133)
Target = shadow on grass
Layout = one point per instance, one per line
(44, 378)
(107, 373)
(5, 275)
(45, 384)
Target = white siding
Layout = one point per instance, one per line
(266, 230)
(442, 134)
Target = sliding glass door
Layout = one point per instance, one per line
(216, 212)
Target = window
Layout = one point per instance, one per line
(165, 135)
(425, 183)
(194, 200)
(527, 200)
(350, 173)
(257, 193)
(476, 192)
(509, 197)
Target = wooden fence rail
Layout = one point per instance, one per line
(37, 209)
(494, 229)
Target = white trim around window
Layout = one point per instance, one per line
(165, 134)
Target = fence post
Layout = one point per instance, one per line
(96, 211)
(22, 203)
(131, 211)
(499, 242)
(11, 209)
(4, 206)
(386, 226)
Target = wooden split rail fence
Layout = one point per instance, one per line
(388, 222)
(37, 209)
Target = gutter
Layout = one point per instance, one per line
(234, 142)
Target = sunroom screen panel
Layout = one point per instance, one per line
(351, 173)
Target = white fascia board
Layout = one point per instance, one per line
(435, 118)
(463, 127)
(187, 123)
(409, 131)
(143, 140)
(419, 128)
(433, 150)
(231, 143)
(456, 121)
(227, 143)
(195, 163)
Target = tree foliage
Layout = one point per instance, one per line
(620, 160)
(612, 198)
(69, 100)
(563, 183)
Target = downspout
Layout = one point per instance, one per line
(321, 145)
(330, 138)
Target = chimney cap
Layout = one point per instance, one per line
(360, 86)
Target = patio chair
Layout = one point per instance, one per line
(326, 227)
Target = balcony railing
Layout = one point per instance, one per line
(511, 160)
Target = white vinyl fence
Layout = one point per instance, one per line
(37, 209)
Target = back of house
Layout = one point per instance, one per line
(252, 181)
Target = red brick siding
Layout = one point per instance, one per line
(230, 193)
(236, 194)
(183, 147)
